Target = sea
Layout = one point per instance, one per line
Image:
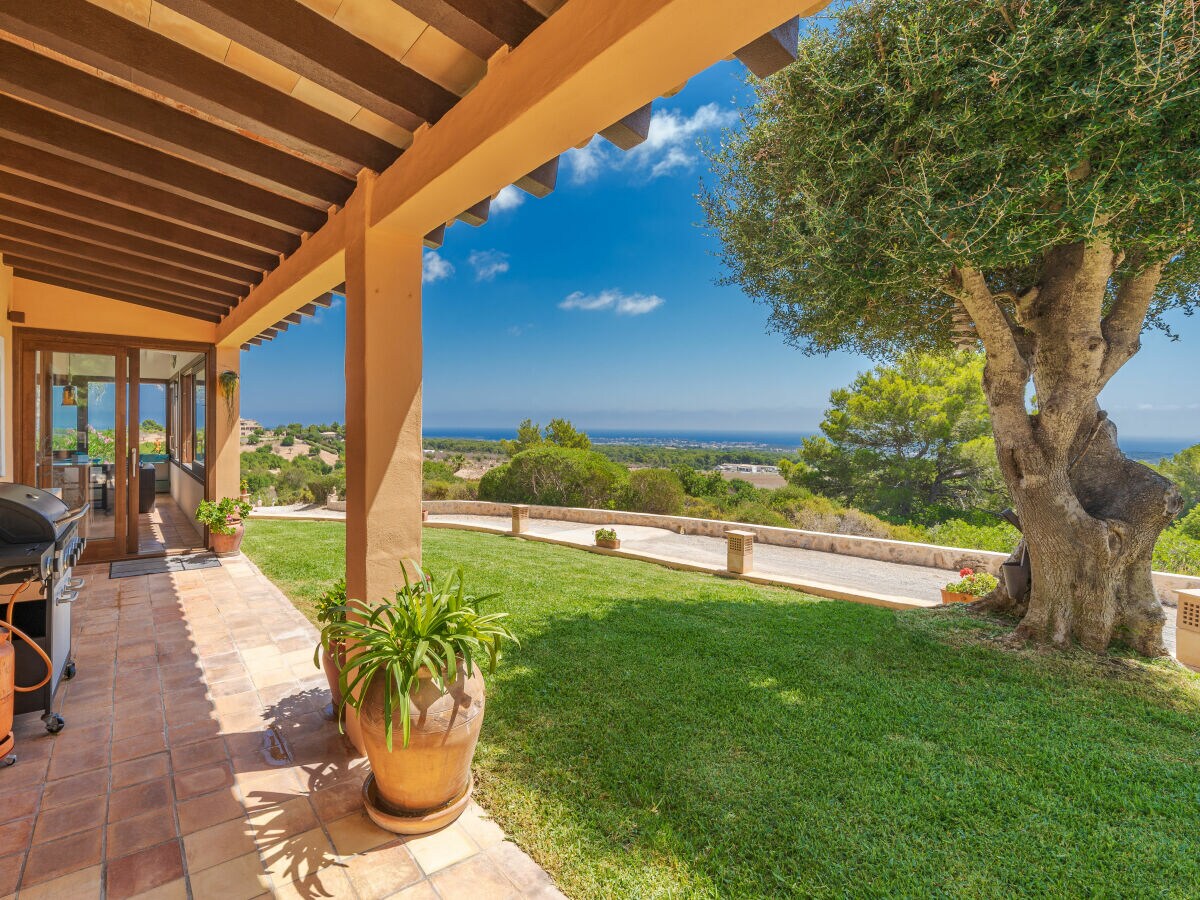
(1143, 449)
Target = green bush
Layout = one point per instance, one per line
(656, 491)
(432, 470)
(556, 476)
(1178, 553)
(1189, 525)
(756, 512)
(999, 536)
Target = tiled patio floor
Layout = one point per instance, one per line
(197, 762)
(167, 528)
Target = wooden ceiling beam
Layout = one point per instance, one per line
(70, 230)
(33, 253)
(67, 90)
(305, 42)
(773, 51)
(48, 240)
(308, 309)
(113, 284)
(435, 238)
(126, 50)
(326, 299)
(120, 156)
(293, 318)
(22, 159)
(77, 205)
(477, 214)
(541, 181)
(631, 130)
(482, 26)
(114, 294)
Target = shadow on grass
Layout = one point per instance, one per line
(666, 746)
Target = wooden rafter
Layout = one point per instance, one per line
(66, 266)
(305, 42)
(89, 287)
(482, 26)
(126, 50)
(109, 106)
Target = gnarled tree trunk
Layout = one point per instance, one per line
(1089, 514)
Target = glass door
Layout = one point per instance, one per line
(79, 401)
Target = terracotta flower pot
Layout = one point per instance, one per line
(333, 671)
(227, 544)
(954, 597)
(609, 543)
(425, 785)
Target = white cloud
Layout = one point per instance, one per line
(434, 268)
(670, 146)
(488, 264)
(621, 303)
(509, 198)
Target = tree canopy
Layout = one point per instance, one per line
(560, 433)
(907, 440)
(918, 135)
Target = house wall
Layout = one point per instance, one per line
(187, 491)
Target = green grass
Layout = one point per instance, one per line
(661, 734)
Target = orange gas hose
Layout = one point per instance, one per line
(27, 639)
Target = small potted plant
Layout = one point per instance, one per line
(970, 587)
(223, 518)
(413, 673)
(245, 489)
(607, 538)
(331, 609)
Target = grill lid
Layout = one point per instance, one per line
(29, 515)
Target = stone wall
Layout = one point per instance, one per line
(846, 544)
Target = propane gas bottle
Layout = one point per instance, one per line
(8, 667)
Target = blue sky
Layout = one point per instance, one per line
(599, 303)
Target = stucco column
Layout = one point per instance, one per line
(226, 443)
(383, 403)
(10, 368)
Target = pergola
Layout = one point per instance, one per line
(209, 170)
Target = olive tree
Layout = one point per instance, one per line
(1028, 169)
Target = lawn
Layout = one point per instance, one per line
(666, 734)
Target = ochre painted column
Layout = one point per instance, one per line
(383, 402)
(226, 444)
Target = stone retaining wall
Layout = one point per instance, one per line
(846, 544)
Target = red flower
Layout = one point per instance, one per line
(963, 573)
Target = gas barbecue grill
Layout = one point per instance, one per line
(39, 546)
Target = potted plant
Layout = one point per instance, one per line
(223, 518)
(245, 490)
(607, 538)
(413, 673)
(331, 609)
(971, 586)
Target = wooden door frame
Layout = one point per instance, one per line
(24, 463)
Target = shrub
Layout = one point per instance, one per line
(999, 536)
(432, 470)
(656, 491)
(1178, 553)
(1189, 525)
(756, 513)
(436, 490)
(556, 476)
(977, 584)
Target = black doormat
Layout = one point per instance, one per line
(161, 565)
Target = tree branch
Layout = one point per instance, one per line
(1122, 327)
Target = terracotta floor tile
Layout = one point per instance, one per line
(383, 871)
(130, 835)
(480, 827)
(61, 821)
(209, 752)
(62, 857)
(15, 836)
(268, 787)
(63, 765)
(18, 804)
(439, 849)
(273, 823)
(242, 878)
(217, 844)
(209, 809)
(139, 799)
(522, 871)
(76, 738)
(338, 801)
(477, 878)
(356, 833)
(142, 871)
(201, 781)
(83, 884)
(135, 747)
(172, 890)
(330, 881)
(200, 730)
(298, 856)
(10, 873)
(135, 771)
(75, 788)
(136, 725)
(421, 891)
